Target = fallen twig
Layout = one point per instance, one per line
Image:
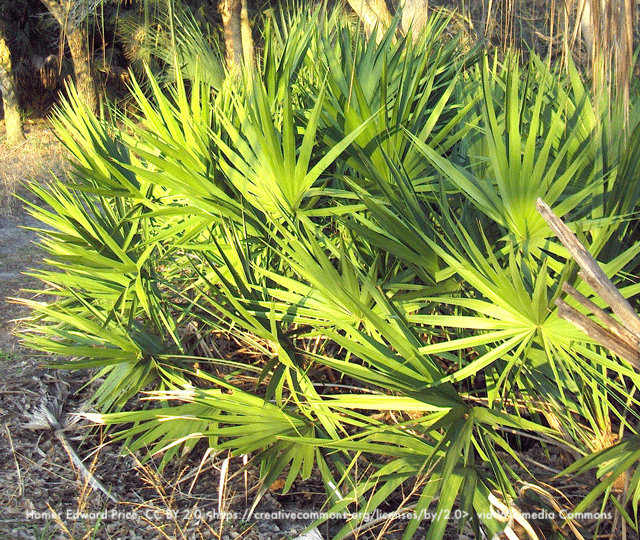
(622, 338)
(15, 460)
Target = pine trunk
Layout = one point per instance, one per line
(12, 118)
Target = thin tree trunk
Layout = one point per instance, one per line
(78, 40)
(231, 11)
(246, 34)
(12, 118)
(586, 24)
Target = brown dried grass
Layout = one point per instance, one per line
(34, 160)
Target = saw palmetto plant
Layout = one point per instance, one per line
(359, 215)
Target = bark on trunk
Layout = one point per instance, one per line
(414, 16)
(78, 40)
(12, 118)
(245, 31)
(373, 14)
(231, 11)
(586, 24)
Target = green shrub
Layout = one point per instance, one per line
(360, 209)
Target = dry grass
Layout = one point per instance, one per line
(35, 159)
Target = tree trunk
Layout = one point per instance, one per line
(231, 11)
(586, 24)
(78, 40)
(374, 14)
(246, 34)
(12, 118)
(414, 16)
(381, 10)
